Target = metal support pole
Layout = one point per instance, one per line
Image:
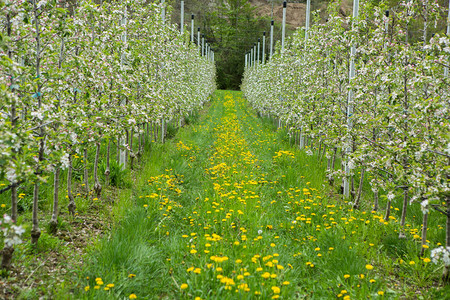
(162, 131)
(448, 33)
(308, 13)
(182, 17)
(264, 48)
(350, 102)
(251, 57)
(271, 38)
(245, 61)
(192, 29)
(283, 28)
(259, 43)
(386, 28)
(203, 45)
(163, 11)
(122, 141)
(198, 41)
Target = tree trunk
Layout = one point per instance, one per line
(148, 137)
(446, 273)
(35, 231)
(333, 162)
(130, 135)
(358, 197)
(7, 254)
(322, 154)
(86, 172)
(97, 185)
(162, 131)
(118, 151)
(319, 149)
(13, 120)
(108, 169)
(403, 219)
(72, 206)
(375, 201)
(53, 226)
(141, 140)
(14, 203)
(127, 133)
(388, 211)
(352, 193)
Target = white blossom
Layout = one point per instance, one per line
(11, 175)
(390, 196)
(65, 161)
(424, 206)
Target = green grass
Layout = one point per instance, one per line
(222, 190)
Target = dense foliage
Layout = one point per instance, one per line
(74, 76)
(394, 114)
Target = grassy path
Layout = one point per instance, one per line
(237, 213)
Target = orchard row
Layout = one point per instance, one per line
(74, 76)
(390, 119)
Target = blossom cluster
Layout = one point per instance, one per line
(11, 233)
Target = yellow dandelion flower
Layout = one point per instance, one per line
(276, 290)
(369, 267)
(132, 296)
(184, 286)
